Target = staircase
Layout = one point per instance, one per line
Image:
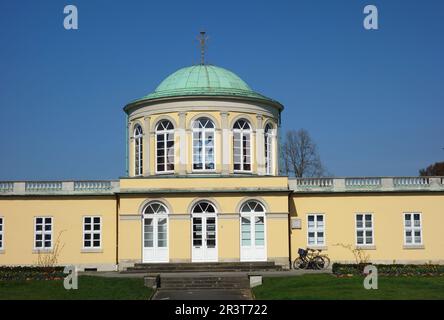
(190, 282)
(203, 267)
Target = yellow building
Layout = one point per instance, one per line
(203, 186)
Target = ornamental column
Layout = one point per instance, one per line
(146, 154)
(260, 142)
(225, 143)
(181, 131)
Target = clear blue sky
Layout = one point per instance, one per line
(372, 100)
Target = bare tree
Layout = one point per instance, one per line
(299, 155)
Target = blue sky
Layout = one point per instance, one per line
(372, 100)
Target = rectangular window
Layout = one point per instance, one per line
(315, 230)
(92, 229)
(1, 233)
(43, 233)
(412, 229)
(364, 229)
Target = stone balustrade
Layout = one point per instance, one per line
(366, 184)
(58, 187)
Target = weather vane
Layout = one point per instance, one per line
(203, 38)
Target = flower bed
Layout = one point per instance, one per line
(340, 269)
(31, 273)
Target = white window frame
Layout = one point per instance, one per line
(2, 233)
(204, 135)
(268, 149)
(165, 134)
(364, 229)
(412, 228)
(92, 232)
(138, 141)
(43, 232)
(316, 230)
(243, 133)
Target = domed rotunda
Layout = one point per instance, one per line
(203, 119)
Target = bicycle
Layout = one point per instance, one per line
(311, 259)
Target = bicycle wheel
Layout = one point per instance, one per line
(299, 263)
(326, 261)
(318, 263)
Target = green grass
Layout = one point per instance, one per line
(329, 287)
(89, 288)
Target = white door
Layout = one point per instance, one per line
(155, 233)
(204, 233)
(252, 225)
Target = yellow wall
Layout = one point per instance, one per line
(67, 213)
(387, 209)
(228, 232)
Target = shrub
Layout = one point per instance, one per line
(31, 273)
(390, 269)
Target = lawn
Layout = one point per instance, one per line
(325, 287)
(89, 288)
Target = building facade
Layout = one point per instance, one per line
(203, 185)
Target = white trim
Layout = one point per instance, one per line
(43, 232)
(316, 230)
(412, 228)
(364, 229)
(92, 232)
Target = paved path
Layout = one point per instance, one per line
(203, 294)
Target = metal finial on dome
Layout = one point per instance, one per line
(203, 38)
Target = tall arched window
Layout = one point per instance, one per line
(253, 245)
(203, 145)
(204, 231)
(242, 145)
(155, 232)
(138, 150)
(165, 146)
(268, 149)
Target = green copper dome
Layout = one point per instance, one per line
(203, 80)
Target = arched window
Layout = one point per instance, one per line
(253, 231)
(268, 149)
(165, 146)
(242, 145)
(204, 231)
(138, 150)
(203, 145)
(155, 232)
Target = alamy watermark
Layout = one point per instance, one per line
(371, 20)
(71, 21)
(71, 280)
(371, 278)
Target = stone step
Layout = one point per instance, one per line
(204, 282)
(202, 267)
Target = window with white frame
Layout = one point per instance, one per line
(268, 148)
(364, 229)
(242, 145)
(412, 228)
(92, 232)
(315, 230)
(165, 146)
(43, 233)
(138, 150)
(203, 145)
(1, 233)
